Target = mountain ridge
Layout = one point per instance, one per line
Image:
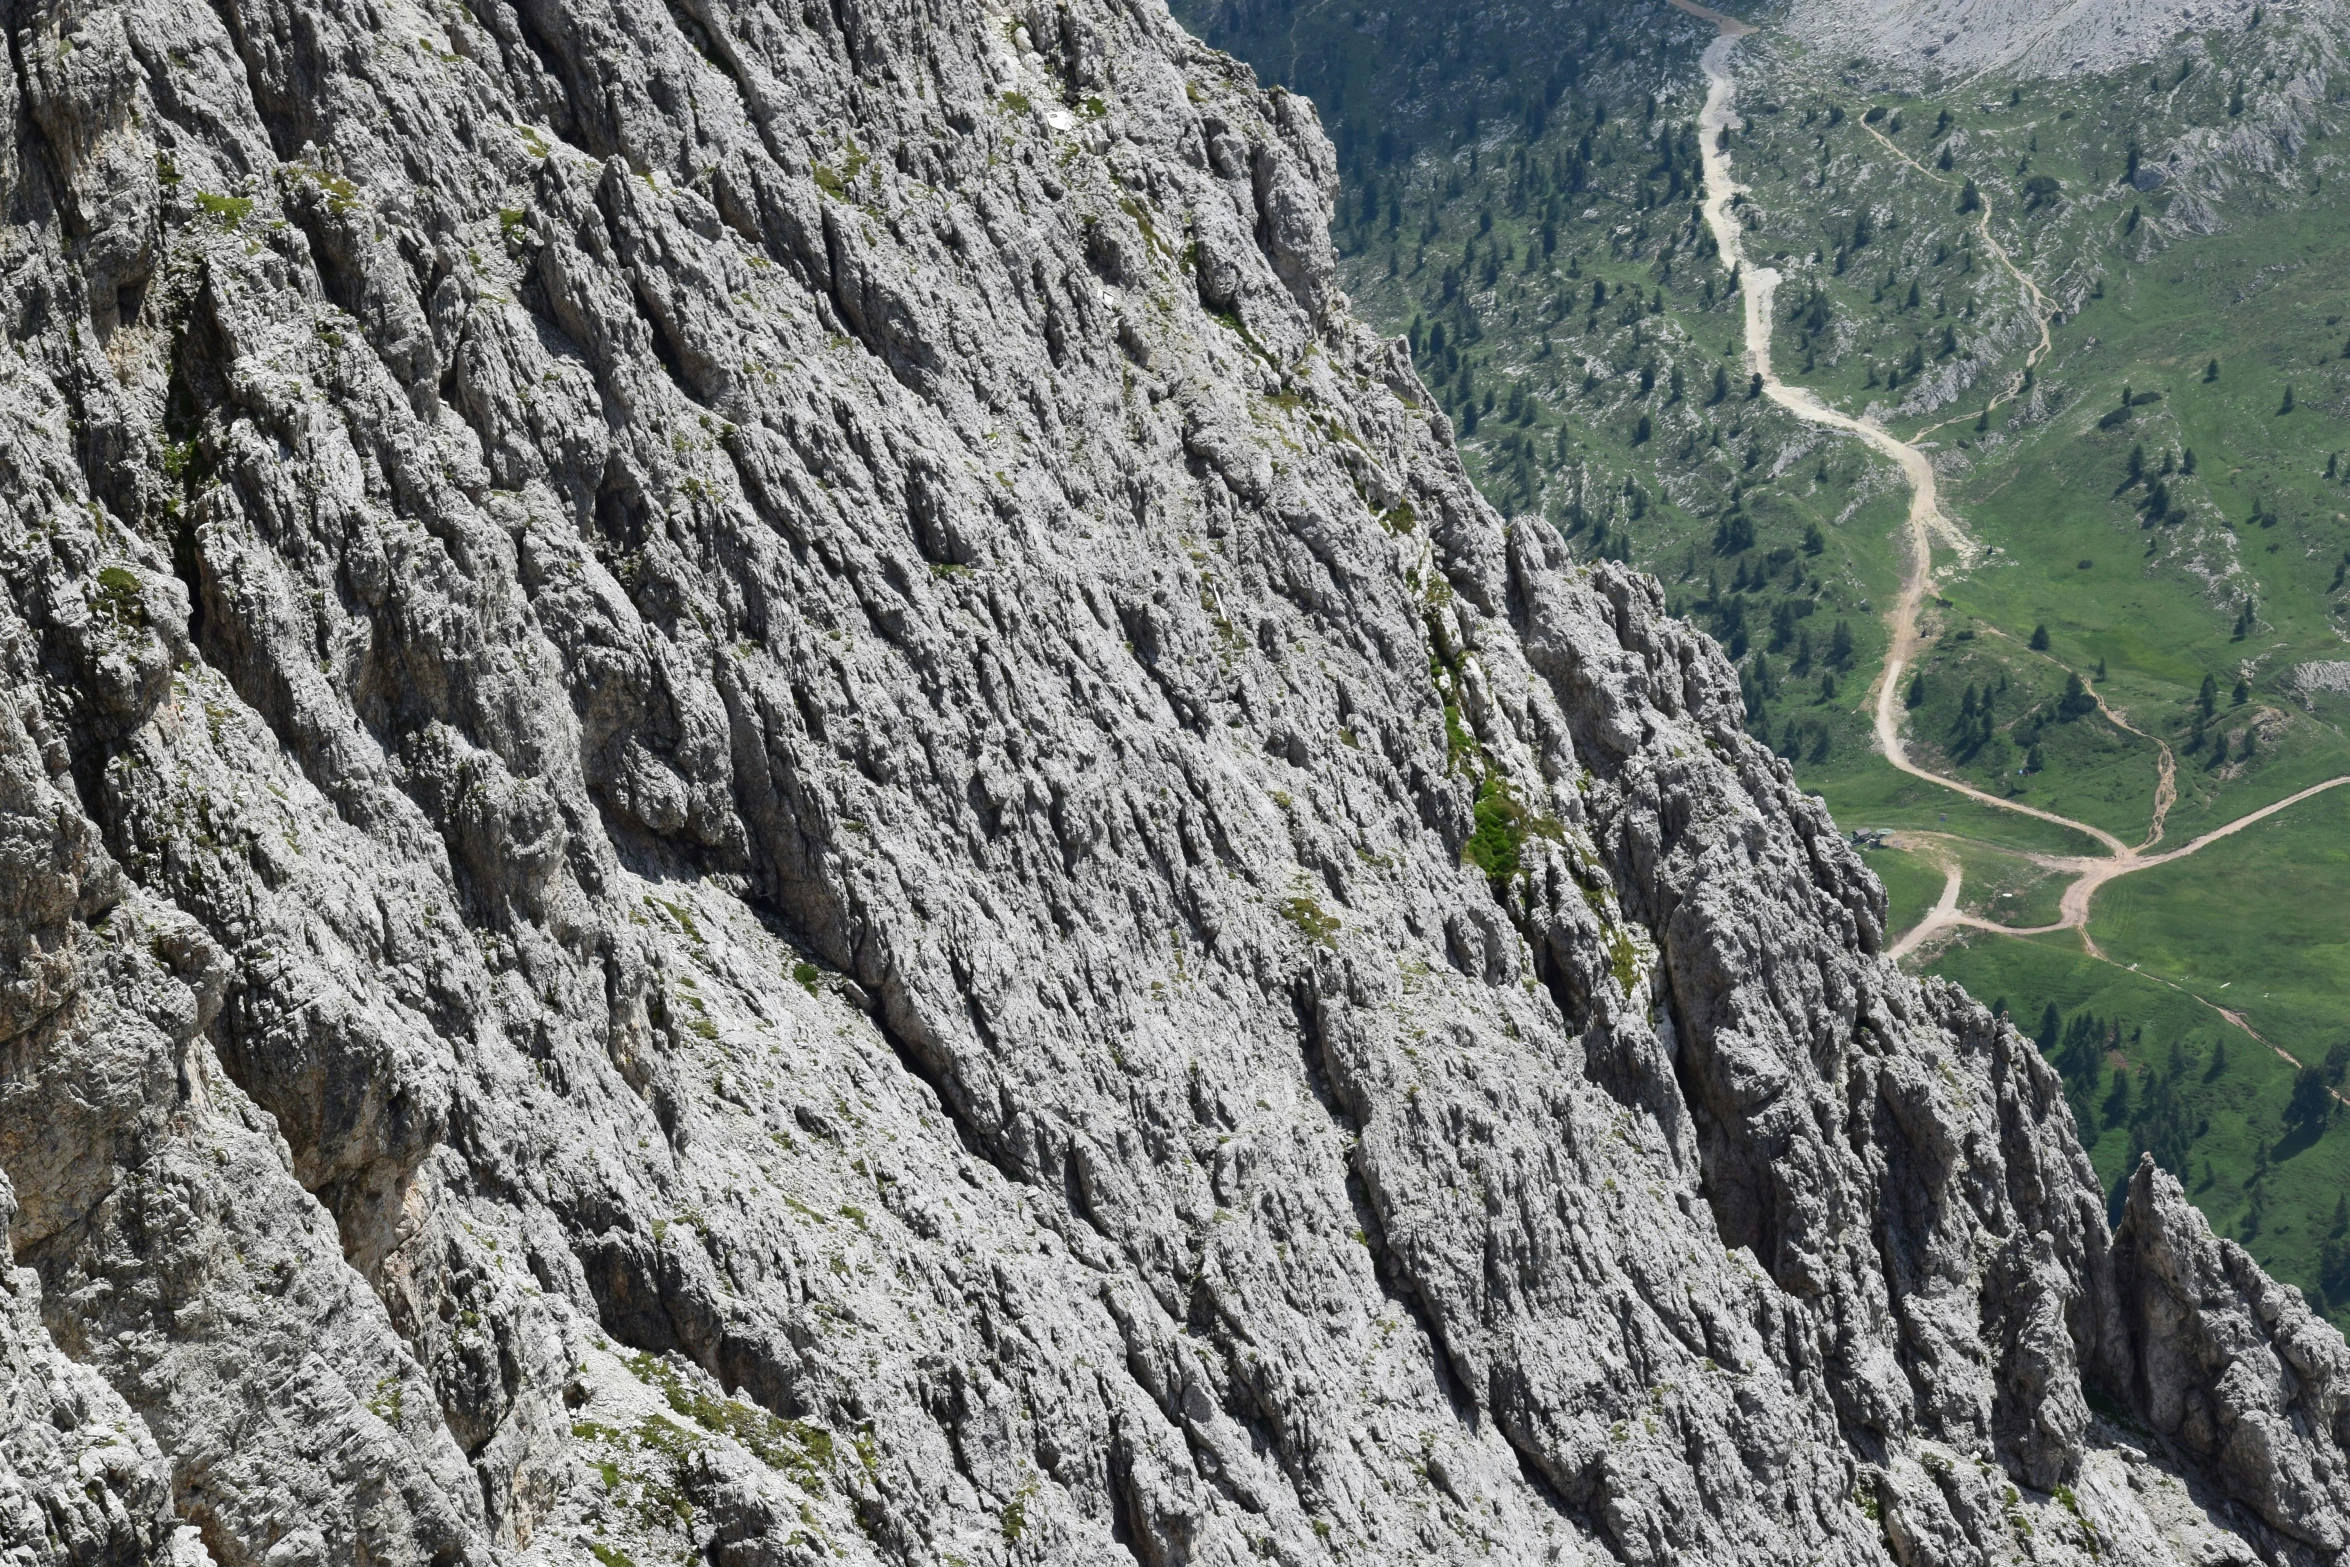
(2176, 236)
(2045, 37)
(767, 801)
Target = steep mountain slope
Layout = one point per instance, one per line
(2106, 305)
(2044, 37)
(764, 800)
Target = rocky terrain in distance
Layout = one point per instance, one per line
(762, 800)
(2041, 37)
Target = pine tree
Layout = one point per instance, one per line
(2310, 1101)
(1840, 645)
(2118, 1100)
(1917, 689)
(2208, 698)
(2040, 638)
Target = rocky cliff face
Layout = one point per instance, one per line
(763, 801)
(2037, 37)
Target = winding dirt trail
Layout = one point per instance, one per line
(1928, 523)
(2039, 301)
(2166, 765)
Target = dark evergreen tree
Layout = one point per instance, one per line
(2311, 1099)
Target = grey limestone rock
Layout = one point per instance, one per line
(2029, 37)
(80, 1478)
(2233, 1367)
(763, 800)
